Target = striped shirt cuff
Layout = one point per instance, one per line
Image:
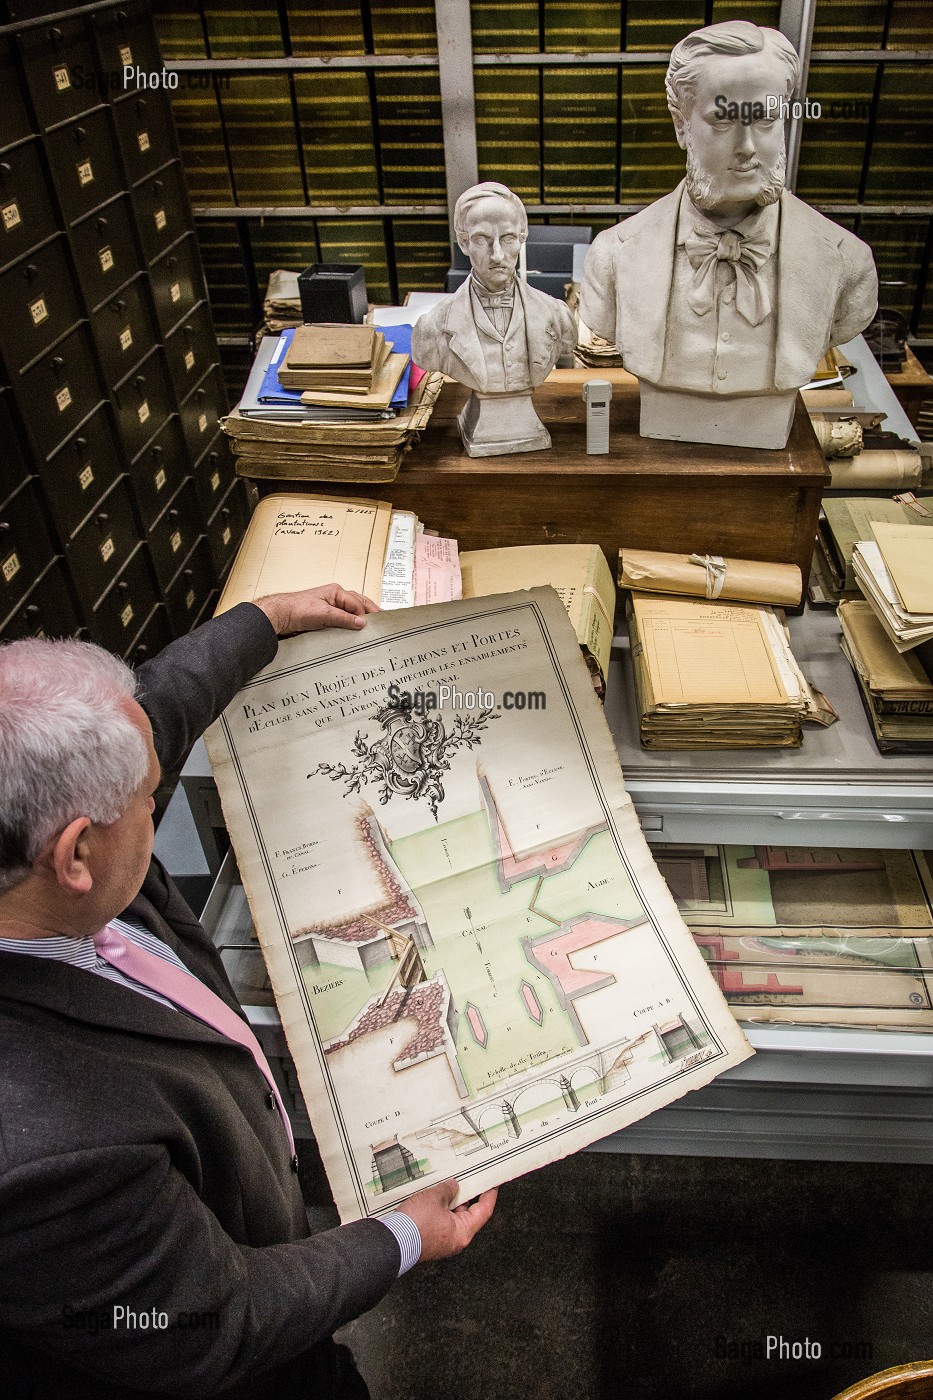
(408, 1236)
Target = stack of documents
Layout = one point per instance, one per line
(711, 675)
(581, 577)
(356, 435)
(895, 572)
(298, 541)
(281, 307)
(848, 519)
(345, 367)
(896, 691)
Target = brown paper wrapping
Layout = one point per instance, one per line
(877, 470)
(818, 399)
(744, 580)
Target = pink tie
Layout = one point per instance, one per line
(188, 992)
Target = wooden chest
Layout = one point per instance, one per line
(646, 494)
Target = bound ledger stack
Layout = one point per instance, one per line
(896, 691)
(711, 675)
(331, 403)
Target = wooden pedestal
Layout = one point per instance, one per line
(646, 494)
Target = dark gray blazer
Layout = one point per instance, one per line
(142, 1163)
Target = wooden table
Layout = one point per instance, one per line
(646, 494)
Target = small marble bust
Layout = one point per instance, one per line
(495, 334)
(723, 296)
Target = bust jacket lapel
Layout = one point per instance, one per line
(644, 285)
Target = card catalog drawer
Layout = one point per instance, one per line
(124, 330)
(174, 533)
(59, 391)
(83, 161)
(104, 247)
(202, 410)
(81, 472)
(118, 616)
(143, 134)
(191, 349)
(177, 283)
(126, 39)
(143, 401)
(161, 210)
(39, 304)
(103, 544)
(150, 640)
(15, 123)
(46, 611)
(13, 468)
(158, 471)
(190, 589)
(227, 525)
(26, 213)
(61, 69)
(25, 546)
(213, 473)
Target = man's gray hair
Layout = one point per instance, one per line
(734, 37)
(483, 191)
(68, 748)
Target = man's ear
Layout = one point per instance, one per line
(680, 132)
(463, 244)
(67, 857)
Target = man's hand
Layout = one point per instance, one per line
(446, 1230)
(310, 610)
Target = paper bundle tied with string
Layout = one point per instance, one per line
(710, 576)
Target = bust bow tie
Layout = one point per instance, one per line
(744, 255)
(496, 298)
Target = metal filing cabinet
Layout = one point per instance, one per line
(118, 516)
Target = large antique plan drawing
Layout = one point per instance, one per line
(476, 963)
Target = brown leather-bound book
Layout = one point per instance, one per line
(332, 347)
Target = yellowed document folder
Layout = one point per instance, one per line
(908, 554)
(296, 541)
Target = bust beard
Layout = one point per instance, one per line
(707, 193)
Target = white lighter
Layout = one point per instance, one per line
(596, 395)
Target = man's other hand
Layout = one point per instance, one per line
(312, 609)
(447, 1229)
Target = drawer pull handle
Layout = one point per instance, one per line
(102, 518)
(4, 524)
(57, 362)
(141, 650)
(101, 224)
(6, 168)
(187, 573)
(123, 586)
(31, 610)
(157, 451)
(173, 515)
(80, 134)
(80, 444)
(55, 34)
(119, 305)
(140, 380)
(158, 185)
(30, 271)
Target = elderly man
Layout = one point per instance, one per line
(155, 1240)
(723, 295)
(498, 336)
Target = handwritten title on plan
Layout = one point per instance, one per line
(357, 692)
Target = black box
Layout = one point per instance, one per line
(333, 292)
